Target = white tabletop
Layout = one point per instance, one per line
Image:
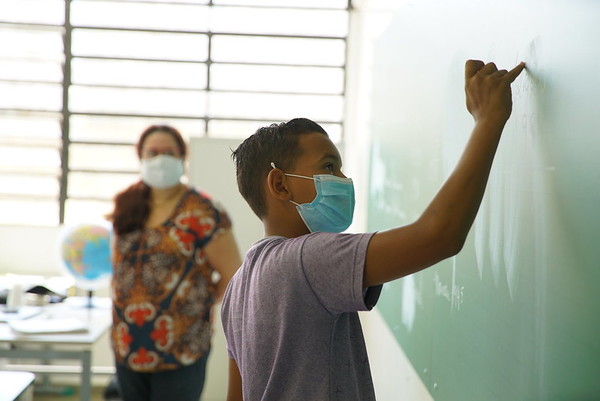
(13, 384)
(96, 320)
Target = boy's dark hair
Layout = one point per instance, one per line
(277, 143)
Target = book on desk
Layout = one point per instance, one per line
(41, 325)
(21, 313)
(32, 320)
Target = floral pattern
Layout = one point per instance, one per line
(162, 288)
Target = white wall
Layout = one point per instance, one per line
(212, 170)
(29, 250)
(393, 375)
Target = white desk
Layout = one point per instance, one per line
(16, 386)
(68, 346)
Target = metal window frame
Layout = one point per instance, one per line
(65, 113)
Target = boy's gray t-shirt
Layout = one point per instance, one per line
(291, 323)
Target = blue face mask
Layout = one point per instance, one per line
(332, 209)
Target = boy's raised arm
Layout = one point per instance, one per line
(442, 229)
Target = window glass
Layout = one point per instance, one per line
(123, 14)
(84, 210)
(29, 159)
(31, 96)
(276, 107)
(263, 78)
(139, 45)
(279, 21)
(30, 128)
(288, 3)
(31, 44)
(234, 129)
(33, 11)
(31, 185)
(16, 70)
(243, 129)
(269, 50)
(167, 1)
(150, 74)
(156, 102)
(98, 185)
(127, 129)
(102, 158)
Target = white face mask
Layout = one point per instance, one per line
(162, 171)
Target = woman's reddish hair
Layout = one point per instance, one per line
(132, 205)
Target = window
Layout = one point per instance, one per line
(80, 80)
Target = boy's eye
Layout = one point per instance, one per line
(329, 167)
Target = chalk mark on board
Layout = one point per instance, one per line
(382, 187)
(513, 207)
(454, 293)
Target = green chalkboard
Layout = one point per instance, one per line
(516, 314)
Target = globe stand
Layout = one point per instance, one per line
(90, 303)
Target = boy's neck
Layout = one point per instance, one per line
(281, 228)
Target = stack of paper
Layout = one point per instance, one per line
(47, 326)
(24, 312)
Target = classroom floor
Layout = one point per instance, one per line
(68, 396)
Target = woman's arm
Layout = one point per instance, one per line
(223, 254)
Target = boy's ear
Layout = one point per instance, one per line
(276, 184)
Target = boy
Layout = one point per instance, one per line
(290, 312)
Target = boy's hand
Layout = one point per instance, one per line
(488, 90)
(441, 231)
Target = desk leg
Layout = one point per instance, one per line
(86, 376)
(84, 356)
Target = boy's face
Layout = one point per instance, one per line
(319, 156)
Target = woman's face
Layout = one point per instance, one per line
(159, 143)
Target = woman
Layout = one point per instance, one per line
(170, 240)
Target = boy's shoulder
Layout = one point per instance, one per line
(301, 271)
(315, 239)
(315, 248)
